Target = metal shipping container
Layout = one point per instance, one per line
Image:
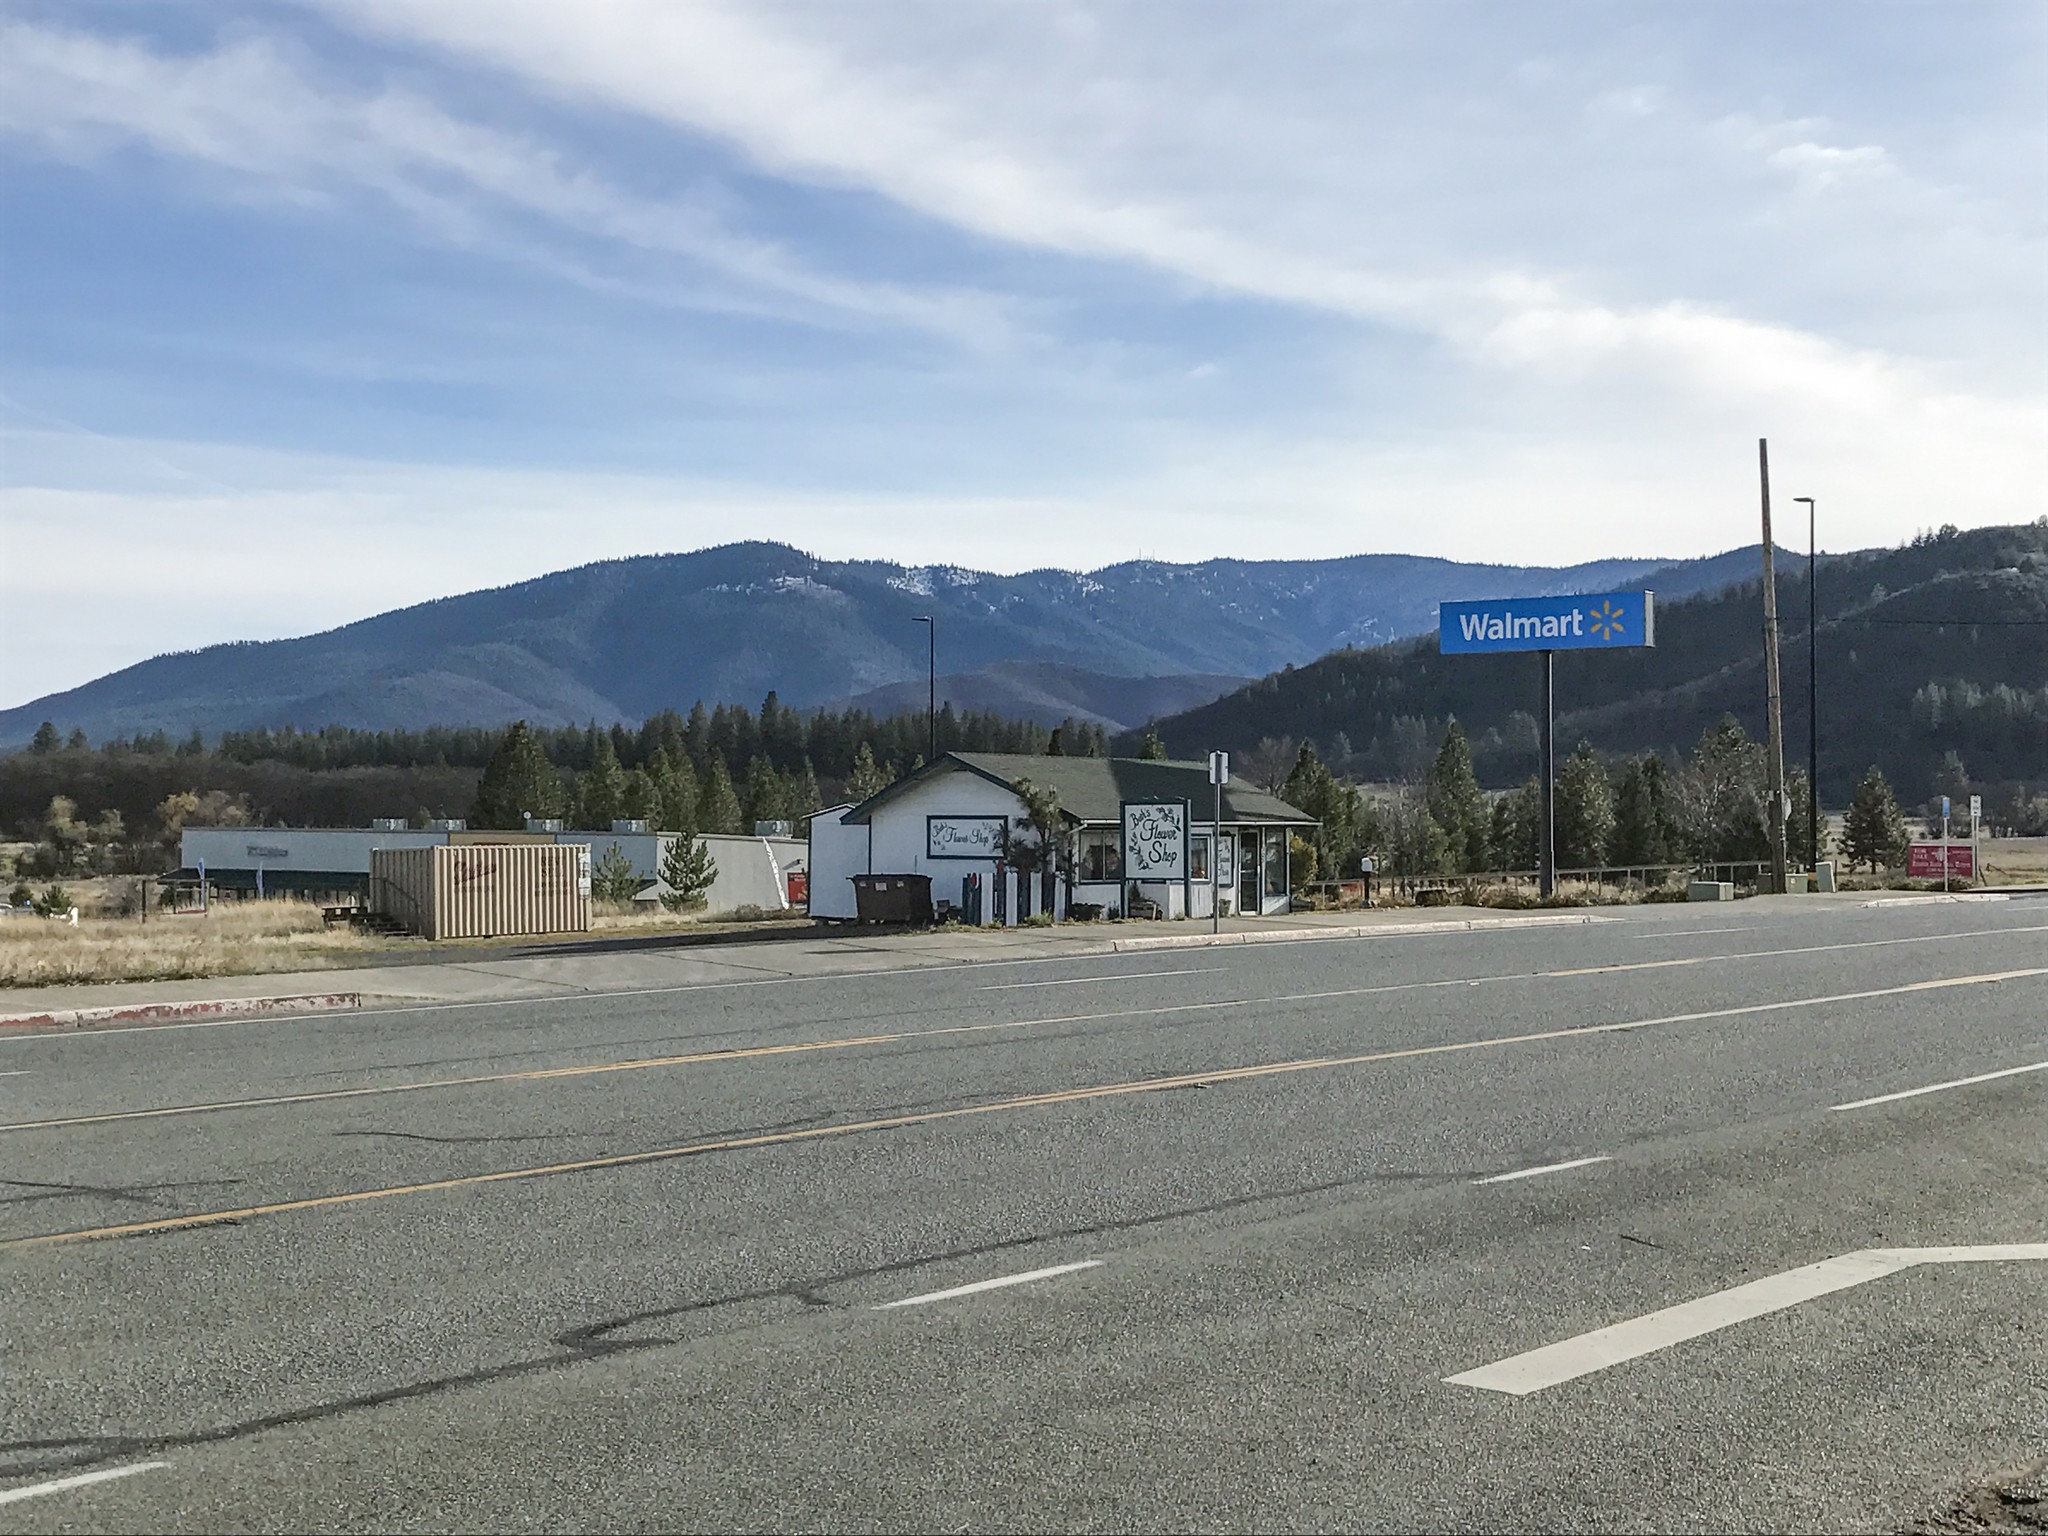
(484, 890)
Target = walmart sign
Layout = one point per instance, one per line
(1601, 622)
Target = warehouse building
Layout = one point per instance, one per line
(953, 821)
(333, 863)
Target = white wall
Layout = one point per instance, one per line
(753, 871)
(899, 835)
(328, 850)
(837, 853)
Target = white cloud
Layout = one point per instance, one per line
(248, 108)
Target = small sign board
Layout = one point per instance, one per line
(1976, 812)
(1602, 622)
(1923, 861)
(965, 837)
(1155, 839)
(1219, 767)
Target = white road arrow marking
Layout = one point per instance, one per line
(1519, 1375)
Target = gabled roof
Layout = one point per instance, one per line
(1093, 789)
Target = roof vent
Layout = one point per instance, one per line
(388, 824)
(630, 824)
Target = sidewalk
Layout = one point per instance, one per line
(824, 952)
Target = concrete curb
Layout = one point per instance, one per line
(171, 1013)
(1355, 931)
(1926, 898)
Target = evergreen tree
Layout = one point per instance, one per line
(804, 798)
(1345, 826)
(766, 797)
(1454, 801)
(639, 800)
(1514, 840)
(1056, 744)
(602, 786)
(1874, 831)
(517, 782)
(1153, 750)
(46, 740)
(688, 869)
(1585, 811)
(676, 790)
(613, 879)
(76, 741)
(868, 779)
(1645, 822)
(718, 809)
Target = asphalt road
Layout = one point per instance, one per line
(640, 1262)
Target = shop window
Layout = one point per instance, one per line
(1276, 861)
(1198, 859)
(1102, 855)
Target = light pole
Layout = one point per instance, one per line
(931, 698)
(1812, 690)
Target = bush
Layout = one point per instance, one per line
(55, 902)
(1085, 911)
(747, 912)
(22, 896)
(1036, 920)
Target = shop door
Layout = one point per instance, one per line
(1248, 868)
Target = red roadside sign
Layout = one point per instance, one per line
(1923, 861)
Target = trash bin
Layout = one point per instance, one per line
(893, 898)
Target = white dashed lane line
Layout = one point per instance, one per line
(80, 1480)
(989, 1285)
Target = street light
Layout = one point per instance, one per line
(1812, 691)
(931, 698)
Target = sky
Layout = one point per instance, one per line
(314, 308)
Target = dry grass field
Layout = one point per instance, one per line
(241, 938)
(236, 938)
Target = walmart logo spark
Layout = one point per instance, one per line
(1606, 621)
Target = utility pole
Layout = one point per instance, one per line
(1812, 690)
(1774, 750)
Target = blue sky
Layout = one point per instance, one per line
(314, 309)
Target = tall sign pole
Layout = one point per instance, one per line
(1219, 775)
(1546, 779)
(1599, 621)
(1774, 750)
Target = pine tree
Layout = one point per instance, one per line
(1645, 822)
(1874, 831)
(766, 797)
(601, 787)
(639, 800)
(613, 878)
(1584, 810)
(1152, 749)
(46, 740)
(868, 779)
(718, 809)
(1514, 840)
(1056, 744)
(805, 797)
(688, 869)
(1455, 803)
(675, 783)
(517, 782)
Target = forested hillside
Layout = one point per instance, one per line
(1935, 648)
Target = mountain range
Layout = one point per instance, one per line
(624, 639)
(1940, 646)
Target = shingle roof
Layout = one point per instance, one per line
(1093, 788)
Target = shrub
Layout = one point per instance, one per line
(54, 902)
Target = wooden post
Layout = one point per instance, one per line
(1774, 751)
